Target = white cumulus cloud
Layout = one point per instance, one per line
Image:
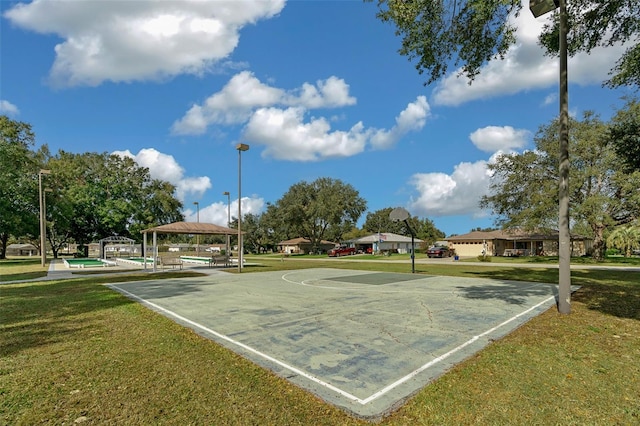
(244, 93)
(217, 212)
(440, 194)
(8, 108)
(287, 137)
(410, 119)
(165, 167)
(277, 119)
(494, 138)
(525, 67)
(330, 93)
(171, 37)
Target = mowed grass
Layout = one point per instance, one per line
(76, 351)
(20, 268)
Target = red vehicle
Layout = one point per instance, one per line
(342, 251)
(438, 251)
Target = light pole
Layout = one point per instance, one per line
(240, 147)
(43, 252)
(197, 204)
(228, 220)
(539, 8)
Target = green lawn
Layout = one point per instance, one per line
(74, 350)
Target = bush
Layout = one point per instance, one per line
(612, 252)
(483, 258)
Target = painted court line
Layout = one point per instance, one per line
(316, 380)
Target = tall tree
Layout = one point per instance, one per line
(313, 210)
(19, 181)
(469, 33)
(624, 134)
(424, 229)
(258, 236)
(100, 195)
(524, 186)
(625, 238)
(379, 221)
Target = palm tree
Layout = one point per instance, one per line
(625, 238)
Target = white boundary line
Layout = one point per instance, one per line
(314, 379)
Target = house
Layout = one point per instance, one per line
(179, 247)
(515, 242)
(303, 246)
(21, 250)
(384, 242)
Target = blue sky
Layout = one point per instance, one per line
(315, 88)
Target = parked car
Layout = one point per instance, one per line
(438, 251)
(342, 251)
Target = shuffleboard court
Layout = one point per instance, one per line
(363, 341)
(86, 263)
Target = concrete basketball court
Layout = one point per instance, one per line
(361, 340)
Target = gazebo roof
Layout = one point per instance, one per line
(192, 228)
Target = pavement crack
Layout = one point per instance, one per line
(429, 313)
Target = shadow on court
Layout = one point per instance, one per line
(363, 341)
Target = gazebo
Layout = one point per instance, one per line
(115, 240)
(192, 228)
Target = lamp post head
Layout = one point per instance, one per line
(540, 7)
(226, 193)
(242, 147)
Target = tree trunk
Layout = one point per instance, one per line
(598, 241)
(4, 237)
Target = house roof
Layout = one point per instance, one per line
(192, 228)
(511, 234)
(18, 246)
(386, 237)
(300, 240)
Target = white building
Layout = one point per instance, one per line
(384, 242)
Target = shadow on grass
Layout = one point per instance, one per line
(150, 290)
(515, 293)
(18, 276)
(618, 294)
(611, 292)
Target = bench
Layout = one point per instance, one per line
(198, 260)
(172, 262)
(220, 260)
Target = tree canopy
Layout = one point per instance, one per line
(524, 186)
(98, 195)
(19, 188)
(596, 23)
(469, 33)
(88, 196)
(323, 209)
(379, 221)
(624, 134)
(625, 238)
